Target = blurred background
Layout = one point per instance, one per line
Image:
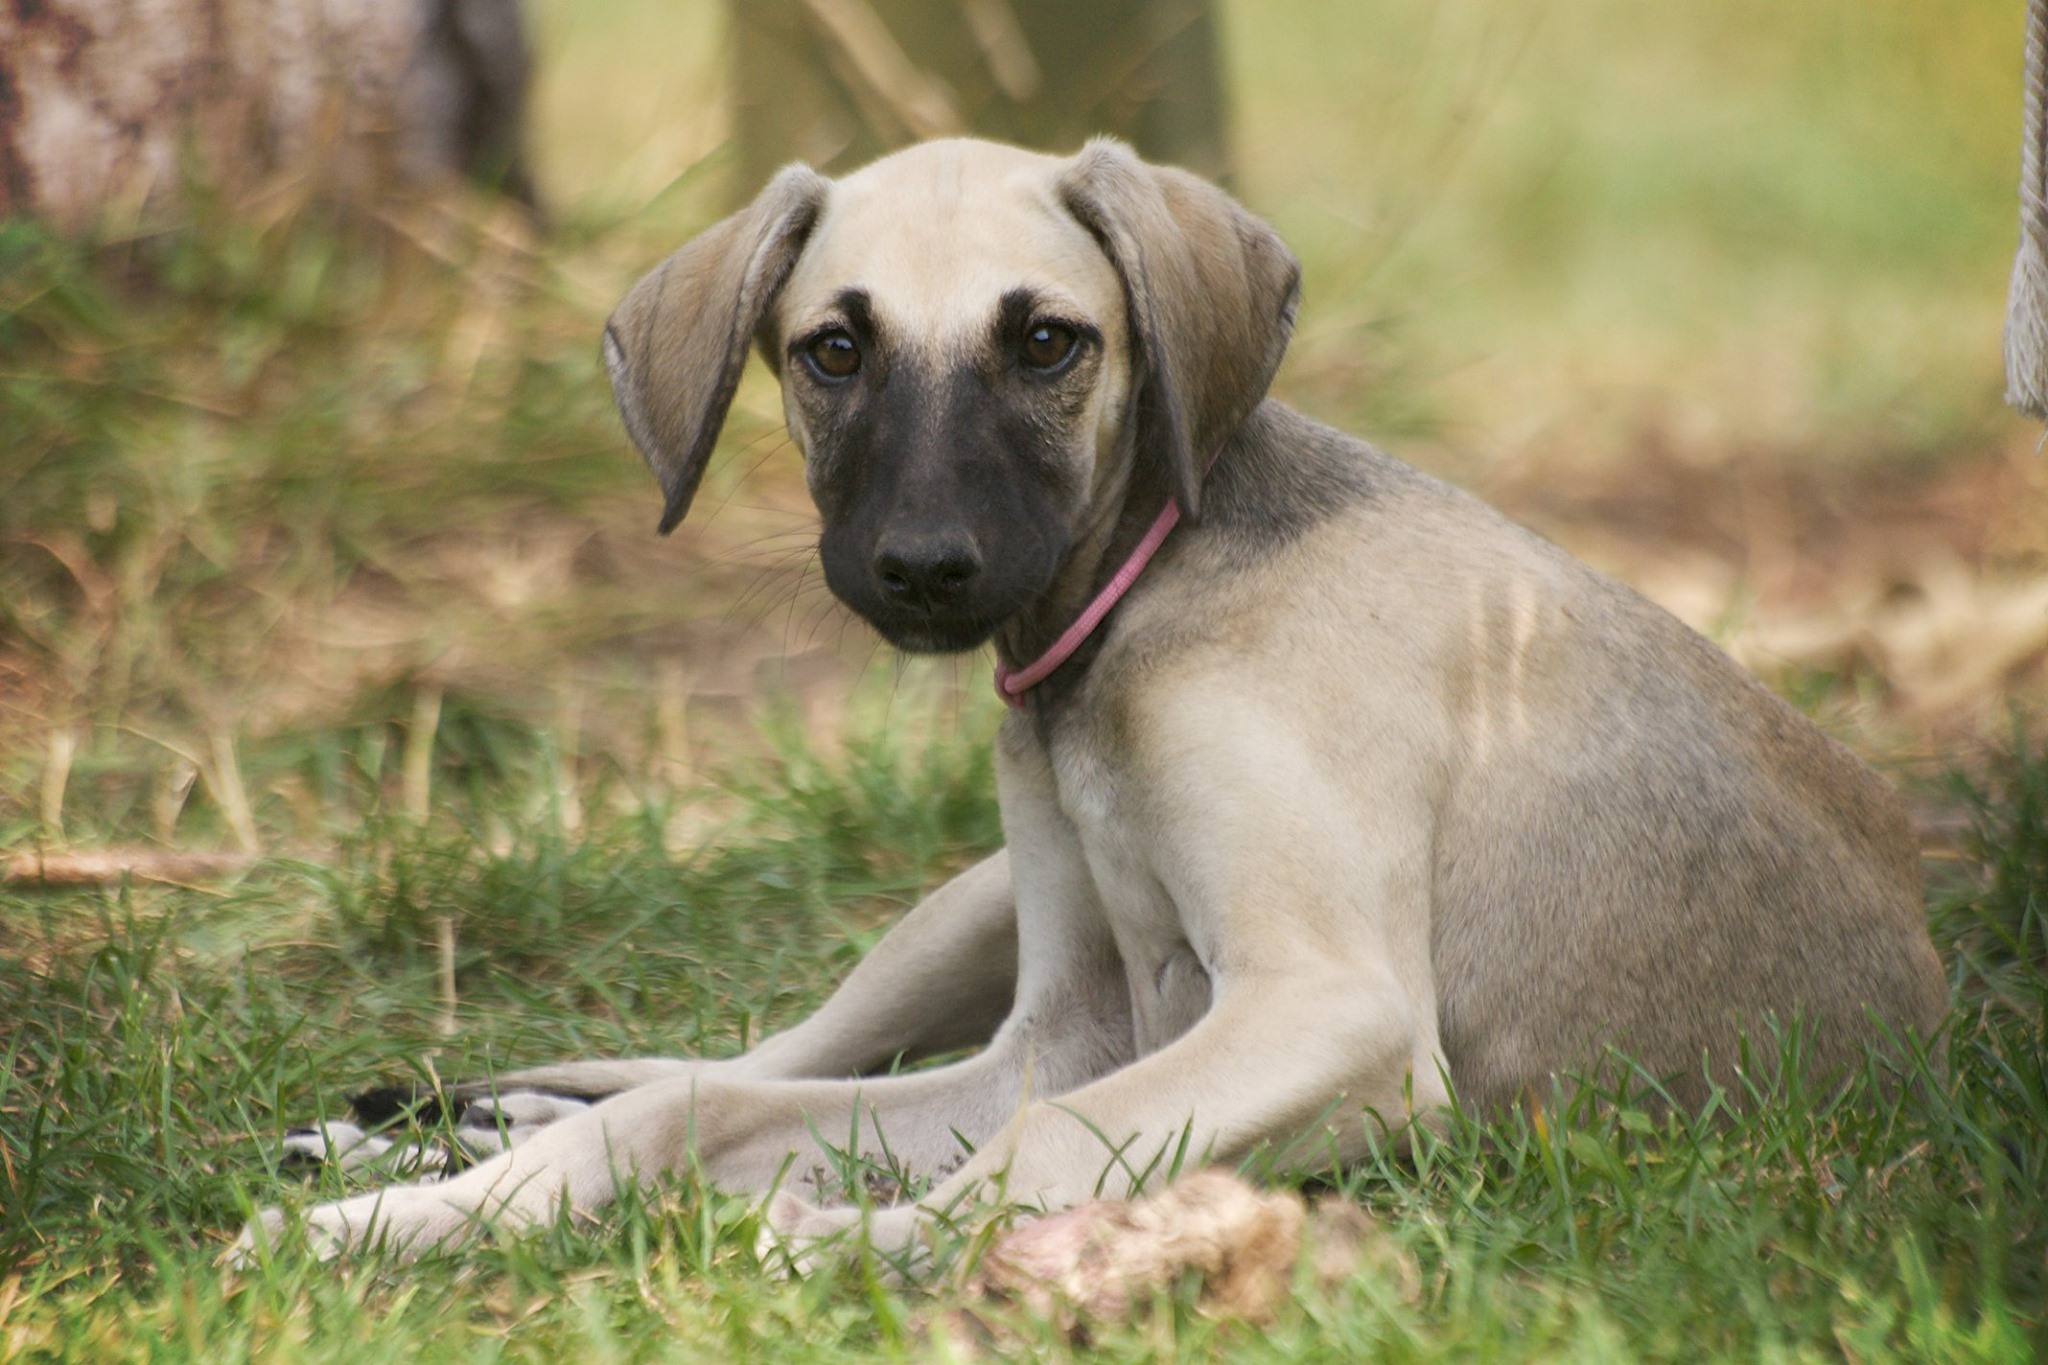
(305, 453)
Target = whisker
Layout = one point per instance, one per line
(816, 610)
(762, 590)
(789, 616)
(781, 440)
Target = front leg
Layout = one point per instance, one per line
(941, 979)
(929, 985)
(744, 1135)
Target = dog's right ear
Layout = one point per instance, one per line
(677, 343)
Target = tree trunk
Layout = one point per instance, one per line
(837, 83)
(109, 105)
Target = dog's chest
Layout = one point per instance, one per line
(1168, 982)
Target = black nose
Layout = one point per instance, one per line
(926, 570)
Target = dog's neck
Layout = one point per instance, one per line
(1130, 496)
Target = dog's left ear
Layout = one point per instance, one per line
(1211, 293)
(676, 345)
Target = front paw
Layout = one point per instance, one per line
(799, 1237)
(271, 1231)
(403, 1221)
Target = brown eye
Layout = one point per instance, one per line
(1049, 346)
(833, 356)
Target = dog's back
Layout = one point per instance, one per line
(1636, 844)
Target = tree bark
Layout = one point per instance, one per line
(110, 105)
(837, 83)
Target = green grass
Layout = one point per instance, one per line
(160, 1039)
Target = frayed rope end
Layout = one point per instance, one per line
(2026, 330)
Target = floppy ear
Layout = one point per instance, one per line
(676, 345)
(1210, 291)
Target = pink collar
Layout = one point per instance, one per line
(1012, 684)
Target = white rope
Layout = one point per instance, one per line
(2026, 315)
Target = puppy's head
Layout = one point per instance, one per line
(971, 341)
